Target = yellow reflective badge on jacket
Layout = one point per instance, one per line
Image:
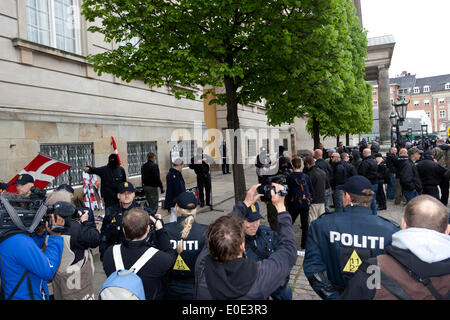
(253, 208)
(180, 264)
(353, 263)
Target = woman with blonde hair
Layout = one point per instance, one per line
(188, 238)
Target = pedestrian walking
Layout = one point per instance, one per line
(416, 265)
(175, 185)
(339, 242)
(111, 175)
(151, 181)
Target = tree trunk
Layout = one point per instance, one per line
(233, 124)
(347, 139)
(316, 133)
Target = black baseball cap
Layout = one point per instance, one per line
(356, 185)
(24, 179)
(65, 187)
(126, 186)
(252, 214)
(186, 200)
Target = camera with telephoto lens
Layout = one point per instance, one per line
(20, 213)
(66, 210)
(266, 186)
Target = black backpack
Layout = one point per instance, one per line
(301, 195)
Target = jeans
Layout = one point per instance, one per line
(390, 187)
(327, 199)
(337, 200)
(409, 195)
(373, 205)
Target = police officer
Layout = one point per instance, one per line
(111, 230)
(260, 242)
(187, 237)
(339, 242)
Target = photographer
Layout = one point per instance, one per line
(224, 273)
(25, 268)
(75, 275)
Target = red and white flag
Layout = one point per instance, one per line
(43, 169)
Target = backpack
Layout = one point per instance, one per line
(301, 195)
(125, 284)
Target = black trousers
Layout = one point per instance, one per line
(204, 183)
(304, 215)
(432, 191)
(444, 185)
(225, 167)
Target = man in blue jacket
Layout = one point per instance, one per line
(339, 242)
(25, 269)
(224, 273)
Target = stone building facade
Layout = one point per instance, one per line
(52, 102)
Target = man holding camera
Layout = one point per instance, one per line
(224, 273)
(25, 268)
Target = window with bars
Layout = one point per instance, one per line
(78, 155)
(54, 23)
(251, 148)
(137, 155)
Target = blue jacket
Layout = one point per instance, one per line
(338, 242)
(22, 252)
(174, 186)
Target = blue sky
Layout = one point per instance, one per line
(421, 30)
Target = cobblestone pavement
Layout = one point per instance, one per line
(223, 202)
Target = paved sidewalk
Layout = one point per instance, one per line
(223, 202)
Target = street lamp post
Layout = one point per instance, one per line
(400, 107)
(393, 120)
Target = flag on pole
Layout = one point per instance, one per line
(43, 169)
(115, 149)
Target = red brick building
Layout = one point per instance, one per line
(431, 94)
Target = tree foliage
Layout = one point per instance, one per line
(300, 56)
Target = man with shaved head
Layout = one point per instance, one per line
(369, 169)
(417, 263)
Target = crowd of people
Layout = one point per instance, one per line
(236, 257)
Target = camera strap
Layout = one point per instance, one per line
(16, 219)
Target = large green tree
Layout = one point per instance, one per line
(330, 88)
(255, 49)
